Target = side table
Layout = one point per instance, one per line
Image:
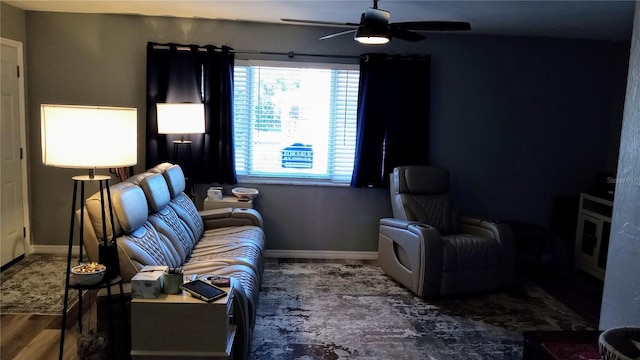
(182, 327)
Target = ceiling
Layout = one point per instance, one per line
(584, 19)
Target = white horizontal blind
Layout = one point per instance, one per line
(241, 118)
(346, 109)
(295, 122)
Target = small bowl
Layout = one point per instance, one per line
(245, 194)
(87, 274)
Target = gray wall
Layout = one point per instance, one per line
(12, 23)
(621, 297)
(518, 121)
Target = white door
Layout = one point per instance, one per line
(13, 207)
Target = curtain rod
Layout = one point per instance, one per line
(292, 54)
(289, 54)
(366, 57)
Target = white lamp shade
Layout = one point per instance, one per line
(89, 136)
(180, 118)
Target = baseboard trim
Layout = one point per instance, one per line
(321, 254)
(55, 249)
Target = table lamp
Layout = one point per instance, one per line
(90, 137)
(181, 119)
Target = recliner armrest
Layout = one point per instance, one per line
(411, 252)
(225, 217)
(398, 223)
(503, 234)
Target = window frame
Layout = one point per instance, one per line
(293, 179)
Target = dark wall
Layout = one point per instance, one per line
(518, 121)
(522, 121)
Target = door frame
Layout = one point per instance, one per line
(28, 248)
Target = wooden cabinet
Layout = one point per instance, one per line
(592, 234)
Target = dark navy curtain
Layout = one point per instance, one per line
(192, 74)
(393, 117)
(218, 98)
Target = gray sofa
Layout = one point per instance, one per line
(156, 223)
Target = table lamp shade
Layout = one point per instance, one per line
(180, 118)
(89, 136)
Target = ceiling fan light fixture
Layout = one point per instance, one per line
(367, 36)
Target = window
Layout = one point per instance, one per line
(295, 122)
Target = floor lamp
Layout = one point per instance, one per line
(181, 119)
(90, 137)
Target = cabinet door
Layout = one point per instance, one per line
(589, 233)
(603, 245)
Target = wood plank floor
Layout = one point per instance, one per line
(37, 337)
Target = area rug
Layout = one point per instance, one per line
(35, 285)
(337, 311)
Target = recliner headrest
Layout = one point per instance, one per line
(156, 190)
(421, 180)
(173, 175)
(160, 168)
(175, 180)
(94, 210)
(137, 178)
(130, 207)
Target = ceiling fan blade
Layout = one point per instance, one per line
(319, 22)
(338, 34)
(434, 25)
(403, 34)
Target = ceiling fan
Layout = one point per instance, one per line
(374, 27)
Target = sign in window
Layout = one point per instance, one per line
(297, 156)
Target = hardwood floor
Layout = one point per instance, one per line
(576, 289)
(37, 337)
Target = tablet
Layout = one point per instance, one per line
(203, 291)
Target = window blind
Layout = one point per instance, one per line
(295, 122)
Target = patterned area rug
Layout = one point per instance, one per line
(35, 285)
(335, 311)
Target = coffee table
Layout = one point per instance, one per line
(561, 345)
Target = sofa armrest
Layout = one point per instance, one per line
(225, 217)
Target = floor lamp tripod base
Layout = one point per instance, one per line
(108, 256)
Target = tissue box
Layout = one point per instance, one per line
(147, 284)
(215, 193)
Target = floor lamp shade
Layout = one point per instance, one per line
(89, 137)
(180, 118)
